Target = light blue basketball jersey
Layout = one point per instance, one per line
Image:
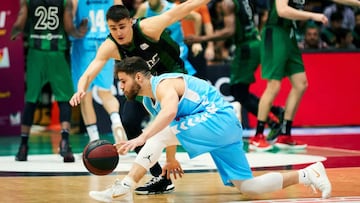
(205, 122)
(176, 34)
(84, 50)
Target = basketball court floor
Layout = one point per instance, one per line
(45, 178)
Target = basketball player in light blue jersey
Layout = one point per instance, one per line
(191, 112)
(156, 7)
(83, 52)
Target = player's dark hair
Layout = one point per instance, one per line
(117, 13)
(131, 66)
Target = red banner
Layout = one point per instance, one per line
(11, 71)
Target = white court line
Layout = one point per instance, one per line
(54, 163)
(306, 200)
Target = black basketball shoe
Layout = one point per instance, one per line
(66, 152)
(22, 153)
(157, 185)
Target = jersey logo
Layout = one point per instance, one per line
(144, 46)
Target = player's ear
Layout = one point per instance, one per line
(138, 76)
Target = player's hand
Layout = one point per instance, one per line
(173, 167)
(76, 98)
(126, 146)
(83, 27)
(209, 54)
(319, 17)
(196, 48)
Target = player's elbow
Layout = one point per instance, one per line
(172, 114)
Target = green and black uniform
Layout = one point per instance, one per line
(162, 57)
(280, 54)
(247, 41)
(246, 58)
(46, 59)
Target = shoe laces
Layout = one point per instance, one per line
(153, 181)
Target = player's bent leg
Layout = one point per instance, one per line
(149, 155)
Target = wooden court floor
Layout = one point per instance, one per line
(343, 168)
(193, 187)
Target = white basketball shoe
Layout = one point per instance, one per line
(118, 192)
(318, 179)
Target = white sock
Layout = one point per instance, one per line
(128, 182)
(115, 118)
(303, 177)
(93, 132)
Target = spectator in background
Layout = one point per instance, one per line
(328, 33)
(312, 38)
(46, 61)
(348, 16)
(82, 52)
(199, 61)
(222, 47)
(344, 39)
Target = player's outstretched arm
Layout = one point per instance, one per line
(162, 21)
(286, 11)
(106, 51)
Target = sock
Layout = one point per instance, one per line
(286, 127)
(24, 138)
(93, 132)
(128, 182)
(65, 134)
(260, 127)
(115, 118)
(303, 176)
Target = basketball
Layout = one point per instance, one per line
(100, 157)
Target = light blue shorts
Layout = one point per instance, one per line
(220, 135)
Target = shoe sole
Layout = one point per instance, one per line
(154, 193)
(287, 146)
(264, 149)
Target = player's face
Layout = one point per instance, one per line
(121, 31)
(128, 85)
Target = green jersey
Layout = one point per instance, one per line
(46, 26)
(275, 19)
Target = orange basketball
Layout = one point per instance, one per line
(100, 157)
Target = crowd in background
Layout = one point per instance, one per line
(342, 32)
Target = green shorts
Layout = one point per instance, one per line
(245, 62)
(280, 54)
(48, 66)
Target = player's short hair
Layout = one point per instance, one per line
(131, 66)
(117, 13)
